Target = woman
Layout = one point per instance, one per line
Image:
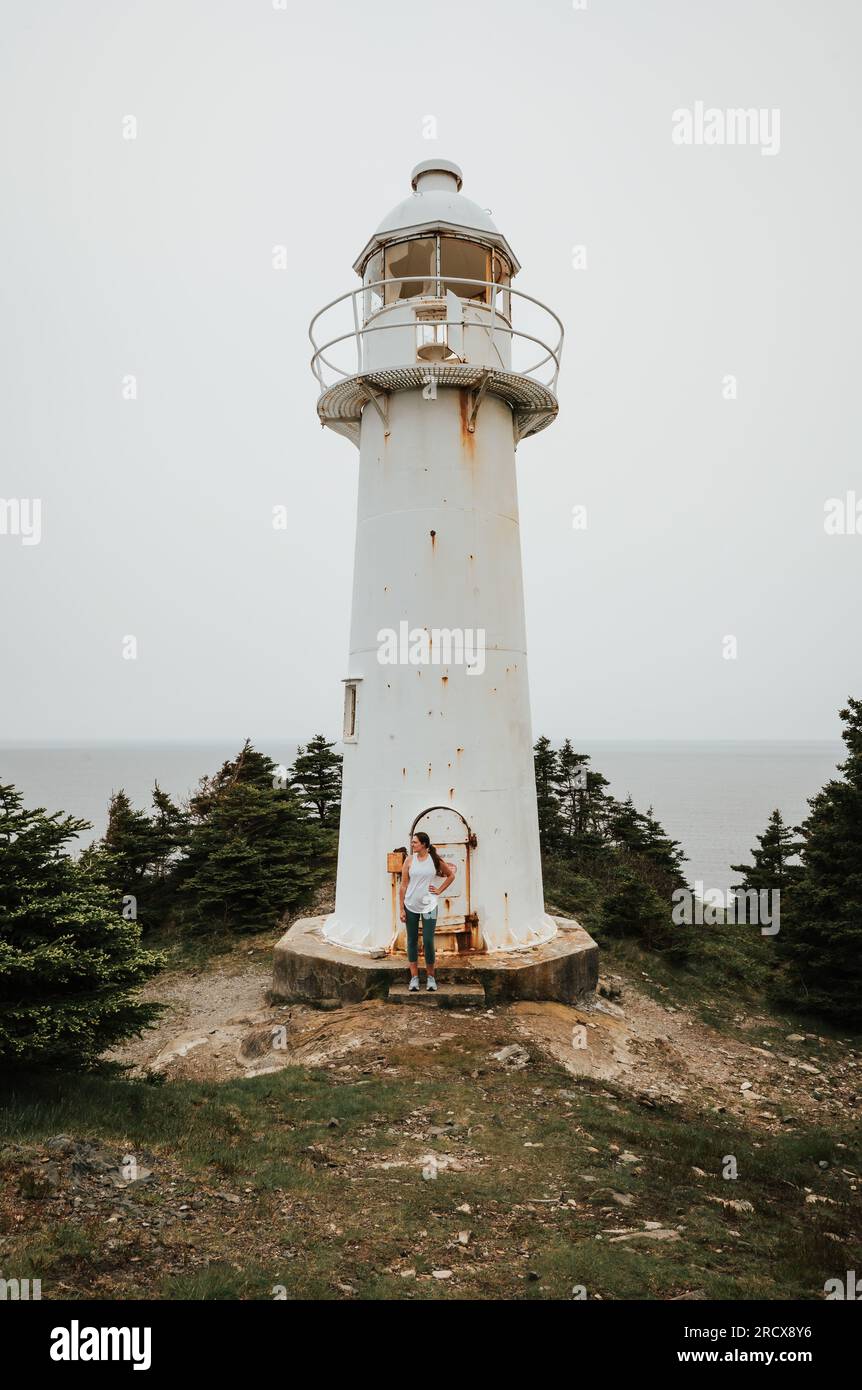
(417, 900)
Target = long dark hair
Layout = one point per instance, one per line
(438, 862)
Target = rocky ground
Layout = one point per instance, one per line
(219, 1026)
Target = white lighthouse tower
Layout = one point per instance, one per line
(437, 370)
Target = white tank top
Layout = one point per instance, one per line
(422, 871)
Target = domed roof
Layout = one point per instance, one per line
(436, 204)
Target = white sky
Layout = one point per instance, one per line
(259, 127)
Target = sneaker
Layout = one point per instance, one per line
(414, 982)
(432, 983)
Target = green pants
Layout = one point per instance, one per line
(428, 925)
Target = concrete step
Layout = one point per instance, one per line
(447, 994)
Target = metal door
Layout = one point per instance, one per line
(450, 835)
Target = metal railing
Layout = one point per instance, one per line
(497, 323)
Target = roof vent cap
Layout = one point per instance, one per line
(435, 173)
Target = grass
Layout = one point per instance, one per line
(318, 1216)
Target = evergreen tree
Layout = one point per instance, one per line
(128, 840)
(821, 933)
(170, 832)
(69, 962)
(232, 888)
(550, 826)
(252, 853)
(663, 853)
(625, 826)
(640, 836)
(771, 868)
(617, 863)
(634, 908)
(316, 774)
(583, 800)
(248, 767)
(137, 854)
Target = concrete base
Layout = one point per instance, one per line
(308, 969)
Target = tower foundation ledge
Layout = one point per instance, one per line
(309, 969)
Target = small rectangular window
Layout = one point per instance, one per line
(351, 689)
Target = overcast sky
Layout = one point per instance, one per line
(259, 126)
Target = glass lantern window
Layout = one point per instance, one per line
(374, 274)
(501, 274)
(462, 261)
(409, 258)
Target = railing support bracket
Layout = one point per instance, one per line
(382, 411)
(477, 398)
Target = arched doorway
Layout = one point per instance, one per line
(457, 926)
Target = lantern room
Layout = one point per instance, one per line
(435, 270)
(436, 307)
(436, 242)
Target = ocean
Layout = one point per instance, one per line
(712, 797)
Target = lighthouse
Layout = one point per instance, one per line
(436, 369)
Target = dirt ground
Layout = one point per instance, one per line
(219, 1026)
